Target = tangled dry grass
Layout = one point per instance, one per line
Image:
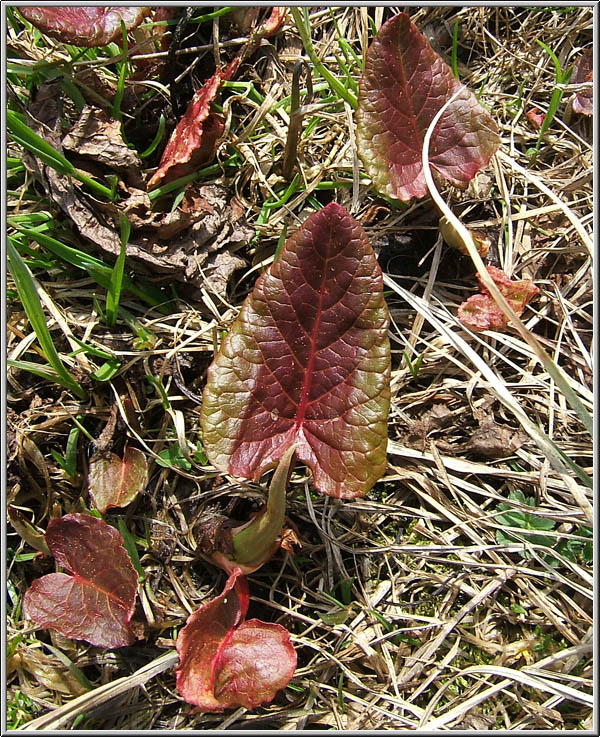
(408, 609)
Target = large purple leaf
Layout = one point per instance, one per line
(308, 362)
(96, 602)
(404, 84)
(226, 662)
(84, 26)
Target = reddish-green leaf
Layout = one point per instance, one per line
(115, 482)
(96, 602)
(307, 362)
(583, 102)
(481, 312)
(84, 26)
(226, 662)
(404, 84)
(193, 141)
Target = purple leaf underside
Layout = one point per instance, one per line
(95, 603)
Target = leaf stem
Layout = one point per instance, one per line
(254, 541)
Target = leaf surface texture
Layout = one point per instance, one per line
(403, 85)
(95, 603)
(308, 362)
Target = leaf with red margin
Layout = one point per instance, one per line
(193, 141)
(583, 101)
(96, 602)
(84, 26)
(403, 85)
(308, 362)
(225, 662)
(481, 312)
(114, 481)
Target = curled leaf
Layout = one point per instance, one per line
(84, 26)
(481, 312)
(193, 141)
(96, 602)
(403, 85)
(307, 362)
(225, 662)
(583, 101)
(251, 545)
(115, 482)
(535, 118)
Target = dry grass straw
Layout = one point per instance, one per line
(439, 625)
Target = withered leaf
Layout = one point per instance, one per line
(98, 136)
(481, 312)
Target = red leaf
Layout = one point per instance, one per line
(96, 602)
(258, 661)
(84, 26)
(583, 102)
(308, 362)
(481, 312)
(226, 662)
(535, 118)
(404, 84)
(115, 482)
(193, 141)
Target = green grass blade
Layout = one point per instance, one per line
(301, 20)
(96, 268)
(162, 123)
(454, 61)
(28, 293)
(116, 279)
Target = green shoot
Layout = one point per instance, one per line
(116, 279)
(302, 22)
(130, 547)
(27, 288)
(123, 71)
(68, 462)
(454, 58)
(560, 77)
(162, 122)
